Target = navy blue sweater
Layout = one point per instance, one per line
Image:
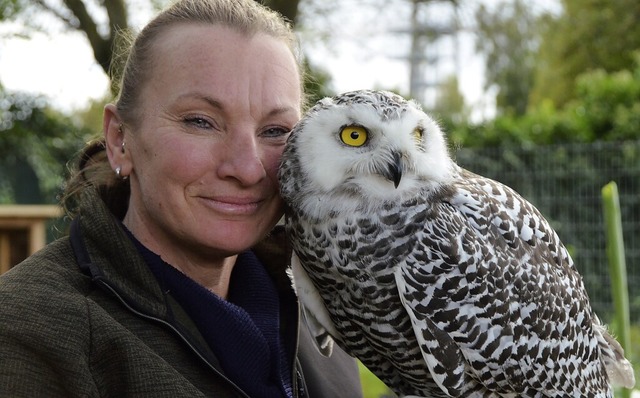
(242, 331)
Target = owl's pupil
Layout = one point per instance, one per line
(355, 135)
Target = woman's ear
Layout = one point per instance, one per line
(114, 137)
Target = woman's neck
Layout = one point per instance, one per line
(214, 277)
(208, 268)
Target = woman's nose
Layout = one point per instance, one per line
(242, 159)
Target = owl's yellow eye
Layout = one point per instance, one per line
(417, 134)
(355, 136)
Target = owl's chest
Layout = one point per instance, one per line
(351, 262)
(357, 254)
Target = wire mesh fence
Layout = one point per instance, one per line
(564, 182)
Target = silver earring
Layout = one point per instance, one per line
(118, 171)
(122, 147)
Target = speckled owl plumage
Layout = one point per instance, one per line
(442, 282)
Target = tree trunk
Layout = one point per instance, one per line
(102, 46)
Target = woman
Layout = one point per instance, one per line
(172, 281)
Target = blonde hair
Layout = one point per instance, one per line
(92, 170)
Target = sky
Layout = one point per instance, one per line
(60, 66)
(356, 53)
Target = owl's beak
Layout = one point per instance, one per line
(394, 170)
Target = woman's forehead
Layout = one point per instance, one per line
(220, 63)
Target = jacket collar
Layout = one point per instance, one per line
(105, 252)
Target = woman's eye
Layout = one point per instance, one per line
(198, 121)
(275, 132)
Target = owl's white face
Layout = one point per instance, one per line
(369, 145)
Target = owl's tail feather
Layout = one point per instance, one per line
(618, 368)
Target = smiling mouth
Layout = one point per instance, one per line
(232, 206)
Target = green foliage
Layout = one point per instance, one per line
(450, 107)
(609, 103)
(9, 8)
(508, 38)
(372, 387)
(586, 36)
(541, 126)
(36, 143)
(606, 108)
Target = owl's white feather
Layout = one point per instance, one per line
(442, 282)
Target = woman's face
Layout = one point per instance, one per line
(214, 116)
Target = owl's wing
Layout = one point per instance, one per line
(315, 313)
(441, 354)
(490, 286)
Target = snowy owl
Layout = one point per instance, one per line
(442, 282)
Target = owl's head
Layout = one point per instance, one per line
(364, 146)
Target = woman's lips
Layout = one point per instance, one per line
(232, 205)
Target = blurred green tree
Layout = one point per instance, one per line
(605, 107)
(507, 36)
(586, 36)
(35, 144)
(450, 106)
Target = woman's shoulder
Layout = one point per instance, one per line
(45, 282)
(44, 308)
(45, 328)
